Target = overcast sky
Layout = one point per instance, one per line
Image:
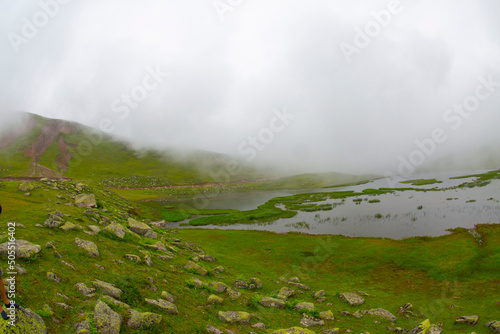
(320, 85)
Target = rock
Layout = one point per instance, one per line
(470, 319)
(20, 270)
(207, 258)
(352, 298)
(94, 228)
(85, 201)
(110, 300)
(304, 305)
(133, 258)
(423, 327)
(219, 269)
(294, 280)
(299, 285)
(191, 266)
(63, 305)
(272, 302)
(108, 288)
(255, 281)
(26, 322)
(138, 227)
(285, 293)
(115, 229)
(26, 186)
(259, 325)
(51, 223)
(331, 331)
(148, 260)
(106, 320)
(327, 315)
(163, 305)
(308, 321)
(53, 277)
(234, 317)
(435, 329)
(240, 284)
(151, 234)
(318, 294)
(169, 297)
(197, 283)
(294, 330)
(68, 226)
(89, 246)
(213, 330)
(86, 291)
(494, 326)
(138, 319)
(232, 293)
(213, 299)
(24, 249)
(69, 265)
(381, 313)
(219, 287)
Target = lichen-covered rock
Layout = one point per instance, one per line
(423, 327)
(327, 315)
(234, 317)
(272, 302)
(240, 284)
(138, 319)
(494, 326)
(68, 226)
(138, 227)
(207, 258)
(294, 330)
(94, 228)
(232, 293)
(115, 229)
(219, 287)
(285, 293)
(107, 288)
(110, 300)
(308, 321)
(133, 258)
(470, 319)
(191, 266)
(85, 201)
(24, 249)
(26, 322)
(169, 297)
(89, 246)
(381, 313)
(255, 281)
(318, 294)
(106, 320)
(299, 285)
(213, 330)
(26, 186)
(213, 299)
(352, 298)
(53, 277)
(304, 305)
(86, 291)
(163, 305)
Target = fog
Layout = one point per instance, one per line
(328, 85)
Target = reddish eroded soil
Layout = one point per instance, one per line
(63, 158)
(50, 131)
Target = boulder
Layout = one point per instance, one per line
(219, 287)
(213, 330)
(138, 227)
(110, 300)
(207, 258)
(169, 297)
(470, 319)
(294, 330)
(272, 302)
(163, 305)
(318, 294)
(352, 298)
(381, 313)
(26, 186)
(89, 246)
(494, 326)
(191, 266)
(304, 305)
(26, 322)
(85, 201)
(240, 284)
(107, 288)
(234, 317)
(422, 327)
(106, 320)
(327, 315)
(232, 293)
(24, 249)
(138, 319)
(255, 281)
(53, 277)
(68, 226)
(299, 285)
(213, 299)
(115, 229)
(285, 293)
(86, 291)
(308, 321)
(133, 258)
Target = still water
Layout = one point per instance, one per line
(398, 215)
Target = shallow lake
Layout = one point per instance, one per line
(398, 215)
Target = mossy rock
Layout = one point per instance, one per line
(26, 322)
